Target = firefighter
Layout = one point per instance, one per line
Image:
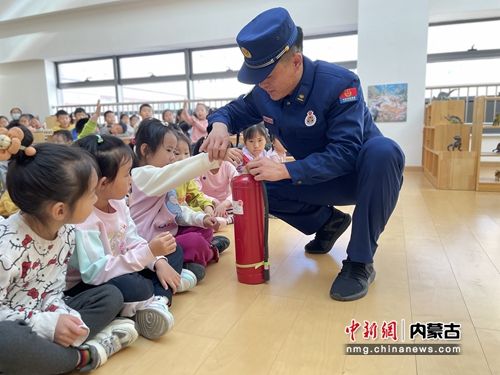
(317, 111)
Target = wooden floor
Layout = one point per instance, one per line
(438, 260)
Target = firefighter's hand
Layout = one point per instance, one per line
(217, 142)
(265, 169)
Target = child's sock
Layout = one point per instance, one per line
(84, 358)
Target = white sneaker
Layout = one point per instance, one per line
(117, 335)
(155, 319)
(123, 328)
(188, 281)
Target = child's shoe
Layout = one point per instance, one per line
(188, 281)
(117, 335)
(219, 244)
(197, 269)
(155, 319)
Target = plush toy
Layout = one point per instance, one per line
(10, 143)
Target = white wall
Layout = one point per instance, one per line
(72, 29)
(24, 84)
(384, 57)
(152, 25)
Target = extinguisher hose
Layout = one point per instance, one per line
(266, 232)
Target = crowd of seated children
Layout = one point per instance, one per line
(42, 331)
(109, 250)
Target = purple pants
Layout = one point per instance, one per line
(196, 243)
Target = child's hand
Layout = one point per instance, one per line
(97, 113)
(68, 329)
(162, 244)
(211, 222)
(209, 210)
(221, 210)
(234, 156)
(167, 275)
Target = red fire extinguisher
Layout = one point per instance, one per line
(251, 226)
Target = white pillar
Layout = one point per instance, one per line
(392, 48)
(29, 85)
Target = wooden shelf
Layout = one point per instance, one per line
(485, 168)
(454, 170)
(488, 185)
(437, 111)
(451, 170)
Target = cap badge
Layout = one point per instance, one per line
(246, 53)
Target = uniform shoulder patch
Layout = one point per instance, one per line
(349, 95)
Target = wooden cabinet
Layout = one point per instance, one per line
(439, 112)
(444, 167)
(485, 138)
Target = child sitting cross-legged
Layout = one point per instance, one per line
(41, 331)
(109, 250)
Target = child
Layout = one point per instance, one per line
(279, 148)
(110, 251)
(153, 202)
(189, 193)
(63, 120)
(41, 332)
(255, 139)
(62, 137)
(216, 184)
(198, 122)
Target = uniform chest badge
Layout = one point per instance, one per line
(310, 119)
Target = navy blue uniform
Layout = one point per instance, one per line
(341, 157)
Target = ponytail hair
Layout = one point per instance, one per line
(109, 152)
(56, 173)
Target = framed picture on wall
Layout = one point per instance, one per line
(388, 102)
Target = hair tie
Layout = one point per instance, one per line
(99, 139)
(10, 143)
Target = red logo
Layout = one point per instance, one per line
(349, 93)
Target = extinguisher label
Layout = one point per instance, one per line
(238, 207)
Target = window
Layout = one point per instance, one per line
(219, 88)
(86, 71)
(463, 72)
(88, 95)
(332, 49)
(153, 65)
(217, 60)
(155, 92)
(463, 36)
